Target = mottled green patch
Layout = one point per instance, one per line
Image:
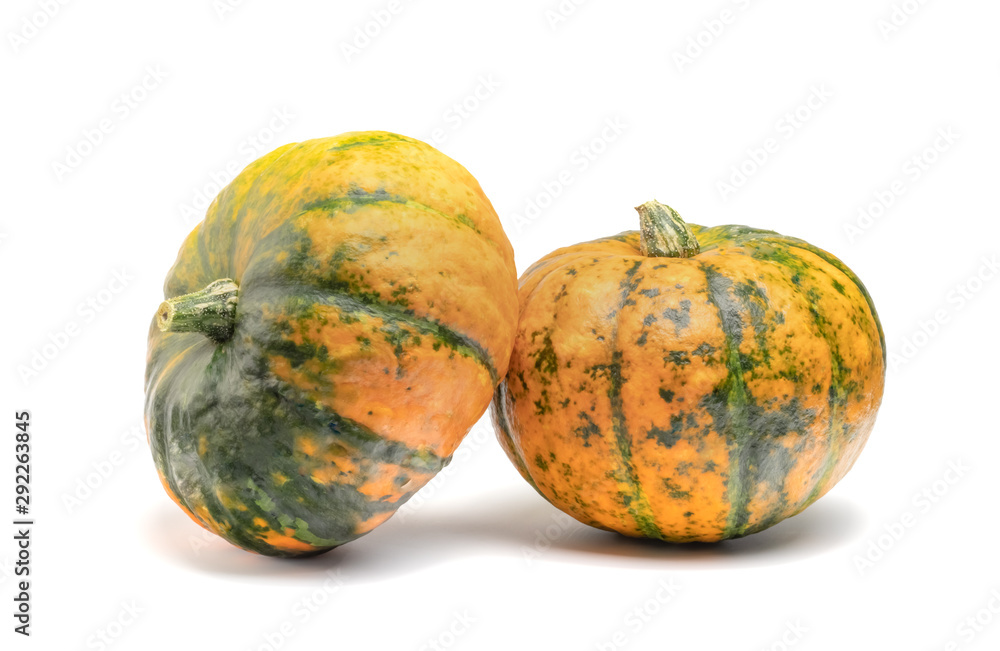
(677, 358)
(681, 317)
(705, 351)
(628, 285)
(542, 405)
(546, 361)
(587, 429)
(667, 437)
(674, 491)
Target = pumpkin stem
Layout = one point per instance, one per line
(210, 311)
(664, 233)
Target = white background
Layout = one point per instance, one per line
(479, 561)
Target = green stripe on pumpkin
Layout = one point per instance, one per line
(498, 410)
(635, 499)
(354, 303)
(727, 404)
(356, 197)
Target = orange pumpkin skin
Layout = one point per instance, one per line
(690, 398)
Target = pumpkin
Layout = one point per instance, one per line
(688, 383)
(332, 330)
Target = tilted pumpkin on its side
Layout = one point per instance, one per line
(689, 383)
(331, 332)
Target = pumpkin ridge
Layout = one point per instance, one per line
(844, 269)
(837, 391)
(215, 507)
(576, 255)
(209, 503)
(637, 502)
(637, 505)
(371, 142)
(358, 197)
(160, 445)
(733, 397)
(747, 236)
(367, 441)
(237, 224)
(354, 303)
(204, 256)
(499, 418)
(837, 395)
(220, 514)
(394, 452)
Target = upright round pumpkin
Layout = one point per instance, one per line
(331, 331)
(689, 383)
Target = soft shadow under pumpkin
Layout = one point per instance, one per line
(508, 526)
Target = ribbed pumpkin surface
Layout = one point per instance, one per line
(690, 399)
(377, 304)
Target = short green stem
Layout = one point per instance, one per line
(210, 311)
(664, 234)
